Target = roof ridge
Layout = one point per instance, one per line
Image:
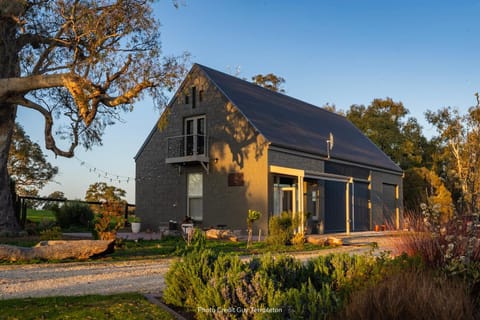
(226, 95)
(268, 91)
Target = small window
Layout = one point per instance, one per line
(187, 99)
(195, 196)
(200, 96)
(194, 95)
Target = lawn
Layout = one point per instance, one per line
(170, 247)
(123, 306)
(39, 215)
(176, 246)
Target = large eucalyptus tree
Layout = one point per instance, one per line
(79, 63)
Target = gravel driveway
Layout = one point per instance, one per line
(144, 276)
(73, 279)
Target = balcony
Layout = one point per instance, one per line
(187, 148)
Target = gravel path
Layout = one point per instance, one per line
(73, 279)
(144, 276)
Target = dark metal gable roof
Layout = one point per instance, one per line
(297, 125)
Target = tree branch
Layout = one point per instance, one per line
(20, 85)
(50, 143)
(36, 40)
(128, 96)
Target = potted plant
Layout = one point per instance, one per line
(135, 224)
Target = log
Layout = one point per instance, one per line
(57, 250)
(221, 235)
(325, 241)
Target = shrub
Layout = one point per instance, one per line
(109, 220)
(54, 233)
(280, 229)
(298, 239)
(205, 280)
(187, 278)
(44, 224)
(411, 295)
(74, 214)
(451, 245)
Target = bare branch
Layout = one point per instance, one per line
(50, 143)
(128, 96)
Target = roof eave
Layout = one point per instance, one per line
(324, 157)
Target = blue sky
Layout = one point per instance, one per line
(344, 52)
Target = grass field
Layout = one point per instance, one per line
(123, 306)
(39, 215)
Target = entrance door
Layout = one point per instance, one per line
(335, 206)
(285, 200)
(361, 216)
(288, 200)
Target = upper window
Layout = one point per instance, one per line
(194, 132)
(194, 97)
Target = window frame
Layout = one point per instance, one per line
(195, 196)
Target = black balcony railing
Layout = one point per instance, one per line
(191, 147)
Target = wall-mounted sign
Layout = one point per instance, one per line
(235, 179)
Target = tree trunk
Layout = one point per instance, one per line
(8, 221)
(9, 68)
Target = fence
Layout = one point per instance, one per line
(21, 203)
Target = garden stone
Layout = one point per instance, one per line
(57, 250)
(221, 235)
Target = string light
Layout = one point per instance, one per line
(105, 175)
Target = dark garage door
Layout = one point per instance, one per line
(361, 217)
(389, 204)
(334, 206)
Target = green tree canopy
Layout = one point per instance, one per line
(54, 205)
(385, 122)
(422, 185)
(269, 81)
(458, 153)
(27, 165)
(102, 192)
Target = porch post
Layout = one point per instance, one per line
(347, 205)
(300, 204)
(397, 208)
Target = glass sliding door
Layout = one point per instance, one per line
(194, 132)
